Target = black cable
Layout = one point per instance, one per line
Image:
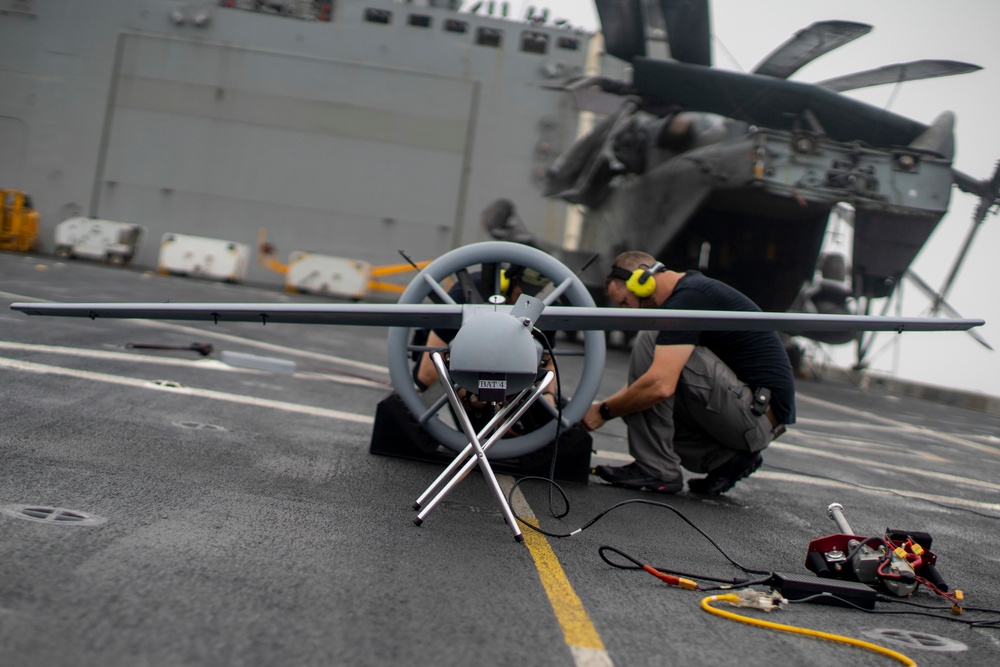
(639, 501)
(911, 603)
(730, 584)
(863, 543)
(976, 623)
(540, 335)
(886, 598)
(985, 610)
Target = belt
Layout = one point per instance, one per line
(776, 428)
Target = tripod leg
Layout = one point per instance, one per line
(469, 450)
(480, 450)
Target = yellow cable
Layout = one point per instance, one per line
(706, 605)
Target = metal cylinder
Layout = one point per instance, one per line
(836, 512)
(816, 563)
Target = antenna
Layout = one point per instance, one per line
(586, 265)
(410, 261)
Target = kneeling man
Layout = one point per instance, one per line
(708, 401)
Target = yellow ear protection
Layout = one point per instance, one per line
(639, 282)
(505, 277)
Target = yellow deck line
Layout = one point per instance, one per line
(579, 632)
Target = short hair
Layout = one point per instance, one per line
(629, 261)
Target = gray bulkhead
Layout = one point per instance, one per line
(351, 137)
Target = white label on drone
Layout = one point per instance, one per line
(492, 384)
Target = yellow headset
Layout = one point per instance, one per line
(505, 278)
(639, 282)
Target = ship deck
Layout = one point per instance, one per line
(229, 516)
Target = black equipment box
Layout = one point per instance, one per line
(799, 587)
(397, 433)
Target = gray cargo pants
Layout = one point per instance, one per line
(704, 424)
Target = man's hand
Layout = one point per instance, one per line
(593, 420)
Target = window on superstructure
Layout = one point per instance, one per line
(489, 37)
(419, 20)
(378, 16)
(312, 10)
(534, 42)
(568, 43)
(454, 25)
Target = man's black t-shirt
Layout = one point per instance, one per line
(757, 357)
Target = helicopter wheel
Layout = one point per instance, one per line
(490, 255)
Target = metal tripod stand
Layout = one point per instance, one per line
(475, 452)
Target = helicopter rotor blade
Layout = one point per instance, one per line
(941, 304)
(688, 30)
(622, 25)
(989, 196)
(808, 44)
(911, 71)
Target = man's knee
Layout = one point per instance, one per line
(760, 436)
(704, 363)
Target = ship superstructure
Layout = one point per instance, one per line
(352, 127)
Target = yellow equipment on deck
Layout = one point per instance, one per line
(334, 276)
(18, 221)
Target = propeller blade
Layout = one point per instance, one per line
(912, 71)
(989, 191)
(990, 194)
(941, 304)
(966, 183)
(808, 44)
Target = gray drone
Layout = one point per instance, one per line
(494, 355)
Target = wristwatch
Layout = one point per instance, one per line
(605, 412)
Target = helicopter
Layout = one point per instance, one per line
(495, 353)
(737, 174)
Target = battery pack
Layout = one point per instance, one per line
(827, 591)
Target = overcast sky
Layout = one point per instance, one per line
(904, 30)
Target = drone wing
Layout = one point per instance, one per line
(628, 319)
(449, 316)
(446, 316)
